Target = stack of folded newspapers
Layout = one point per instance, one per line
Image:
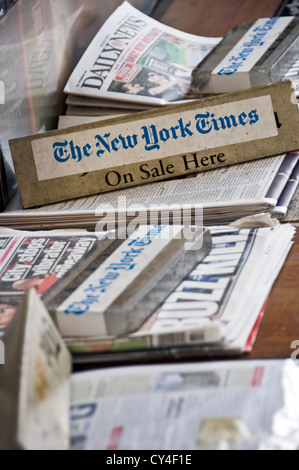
(132, 64)
(227, 405)
(135, 63)
(216, 309)
(127, 52)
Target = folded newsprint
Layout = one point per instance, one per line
(217, 308)
(251, 54)
(227, 405)
(155, 145)
(214, 197)
(34, 381)
(44, 261)
(130, 283)
(135, 59)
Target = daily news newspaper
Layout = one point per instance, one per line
(227, 405)
(137, 59)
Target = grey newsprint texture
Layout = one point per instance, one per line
(2, 353)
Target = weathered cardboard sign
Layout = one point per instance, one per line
(158, 144)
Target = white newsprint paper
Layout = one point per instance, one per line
(223, 195)
(87, 310)
(228, 405)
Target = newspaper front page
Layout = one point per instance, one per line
(236, 405)
(137, 59)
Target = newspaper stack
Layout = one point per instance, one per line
(34, 381)
(134, 63)
(217, 309)
(43, 261)
(236, 405)
(130, 280)
(115, 78)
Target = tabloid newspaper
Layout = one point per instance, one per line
(216, 309)
(220, 196)
(39, 261)
(137, 59)
(227, 405)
